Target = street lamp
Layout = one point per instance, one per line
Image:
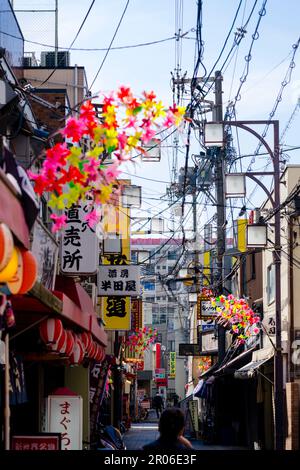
(112, 245)
(213, 134)
(235, 185)
(143, 257)
(132, 196)
(214, 137)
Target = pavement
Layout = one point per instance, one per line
(145, 432)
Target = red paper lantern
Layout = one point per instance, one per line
(87, 340)
(61, 343)
(30, 271)
(6, 245)
(92, 350)
(102, 353)
(99, 355)
(51, 330)
(77, 354)
(67, 350)
(96, 351)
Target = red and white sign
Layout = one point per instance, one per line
(65, 417)
(41, 442)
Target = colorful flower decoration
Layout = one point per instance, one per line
(204, 363)
(140, 339)
(70, 172)
(237, 315)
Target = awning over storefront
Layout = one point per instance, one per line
(259, 358)
(231, 366)
(32, 309)
(11, 211)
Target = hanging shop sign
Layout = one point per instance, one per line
(270, 325)
(119, 280)
(205, 310)
(172, 365)
(79, 252)
(186, 349)
(140, 365)
(98, 379)
(160, 374)
(193, 409)
(116, 313)
(64, 415)
(136, 314)
(43, 441)
(209, 342)
(45, 249)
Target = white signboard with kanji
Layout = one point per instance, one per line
(80, 245)
(64, 415)
(123, 280)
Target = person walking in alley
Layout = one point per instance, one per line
(171, 427)
(158, 404)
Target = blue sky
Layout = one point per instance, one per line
(149, 67)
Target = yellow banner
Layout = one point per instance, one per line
(116, 313)
(241, 234)
(206, 268)
(172, 365)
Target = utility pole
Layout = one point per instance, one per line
(56, 33)
(221, 215)
(197, 260)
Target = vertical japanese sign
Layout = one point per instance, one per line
(65, 417)
(98, 378)
(79, 247)
(45, 250)
(116, 310)
(172, 365)
(136, 314)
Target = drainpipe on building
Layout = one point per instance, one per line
(291, 297)
(6, 397)
(75, 86)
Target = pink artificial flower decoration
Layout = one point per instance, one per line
(131, 122)
(147, 135)
(111, 173)
(170, 120)
(92, 218)
(74, 129)
(59, 222)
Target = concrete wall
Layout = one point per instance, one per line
(74, 83)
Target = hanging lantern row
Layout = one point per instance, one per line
(236, 315)
(67, 343)
(127, 124)
(140, 339)
(18, 267)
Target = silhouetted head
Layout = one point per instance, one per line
(171, 423)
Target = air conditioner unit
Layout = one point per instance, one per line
(91, 289)
(48, 59)
(27, 62)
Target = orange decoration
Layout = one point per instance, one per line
(6, 245)
(30, 271)
(10, 269)
(14, 285)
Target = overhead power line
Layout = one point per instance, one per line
(98, 49)
(72, 43)
(109, 47)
